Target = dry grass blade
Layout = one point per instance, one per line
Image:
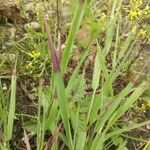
(53, 138)
(26, 140)
(147, 146)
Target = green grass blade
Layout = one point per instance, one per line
(3, 148)
(39, 122)
(75, 73)
(12, 105)
(63, 105)
(81, 141)
(109, 34)
(127, 104)
(96, 72)
(114, 55)
(51, 115)
(77, 18)
(95, 80)
(126, 45)
(131, 127)
(76, 125)
(147, 146)
(41, 116)
(100, 138)
(101, 122)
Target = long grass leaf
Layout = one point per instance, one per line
(12, 105)
(131, 127)
(63, 105)
(96, 72)
(75, 73)
(81, 141)
(113, 106)
(127, 104)
(77, 18)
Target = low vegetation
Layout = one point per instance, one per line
(74, 75)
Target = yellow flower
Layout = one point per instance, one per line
(29, 65)
(34, 54)
(103, 15)
(134, 14)
(134, 29)
(143, 33)
(134, 9)
(138, 2)
(143, 107)
(146, 10)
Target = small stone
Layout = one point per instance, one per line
(148, 127)
(65, 2)
(141, 58)
(4, 87)
(29, 7)
(91, 58)
(83, 36)
(12, 32)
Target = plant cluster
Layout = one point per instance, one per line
(72, 115)
(137, 13)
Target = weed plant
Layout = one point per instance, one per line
(77, 120)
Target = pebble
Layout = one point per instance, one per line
(29, 7)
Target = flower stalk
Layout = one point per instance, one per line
(54, 55)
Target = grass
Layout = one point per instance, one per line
(11, 113)
(70, 117)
